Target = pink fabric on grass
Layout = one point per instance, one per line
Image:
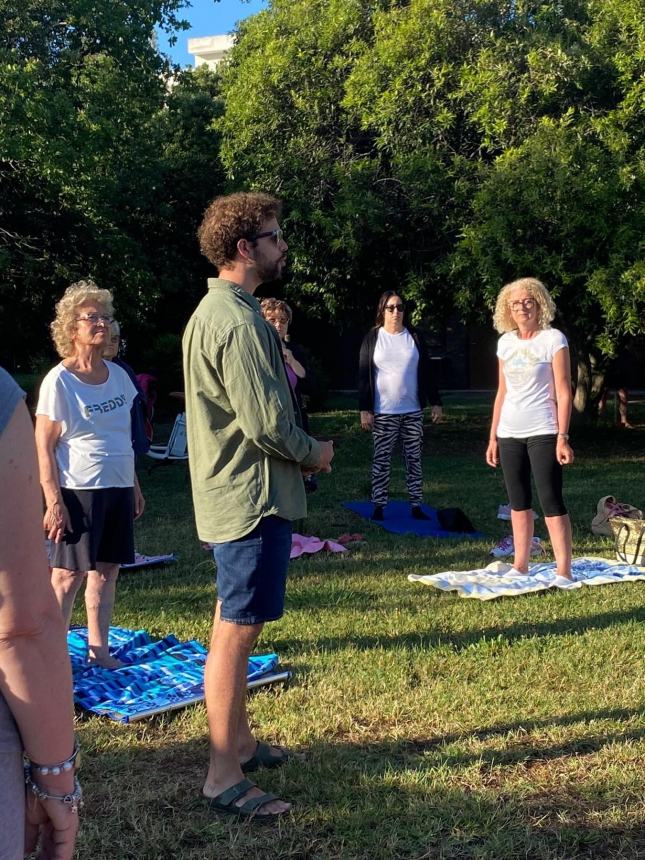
(305, 544)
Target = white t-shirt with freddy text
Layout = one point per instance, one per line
(94, 450)
(396, 384)
(529, 407)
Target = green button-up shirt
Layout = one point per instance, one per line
(245, 448)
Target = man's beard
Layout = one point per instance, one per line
(270, 271)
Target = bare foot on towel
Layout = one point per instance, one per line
(105, 661)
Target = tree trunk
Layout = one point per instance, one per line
(583, 384)
(589, 385)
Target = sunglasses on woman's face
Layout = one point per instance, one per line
(392, 308)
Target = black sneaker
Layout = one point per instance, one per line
(377, 513)
(418, 514)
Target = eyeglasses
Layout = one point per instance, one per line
(95, 319)
(526, 304)
(392, 308)
(280, 320)
(276, 234)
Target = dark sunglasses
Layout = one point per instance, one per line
(276, 234)
(392, 308)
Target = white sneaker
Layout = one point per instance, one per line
(504, 513)
(506, 547)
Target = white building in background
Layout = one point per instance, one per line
(210, 50)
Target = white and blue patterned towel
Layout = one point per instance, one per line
(157, 676)
(495, 581)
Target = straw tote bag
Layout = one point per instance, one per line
(630, 539)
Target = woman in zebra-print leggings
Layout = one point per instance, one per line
(395, 384)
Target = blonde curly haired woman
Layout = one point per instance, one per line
(530, 426)
(84, 444)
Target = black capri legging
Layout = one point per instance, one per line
(536, 454)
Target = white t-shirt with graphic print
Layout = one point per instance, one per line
(94, 450)
(529, 407)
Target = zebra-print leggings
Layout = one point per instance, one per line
(386, 431)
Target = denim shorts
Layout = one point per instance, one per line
(252, 573)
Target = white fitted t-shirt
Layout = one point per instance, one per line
(396, 385)
(94, 450)
(529, 407)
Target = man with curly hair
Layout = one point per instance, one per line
(247, 453)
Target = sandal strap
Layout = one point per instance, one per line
(254, 803)
(230, 795)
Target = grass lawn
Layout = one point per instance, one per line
(430, 726)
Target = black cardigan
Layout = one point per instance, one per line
(426, 389)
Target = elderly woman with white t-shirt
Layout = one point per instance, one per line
(530, 426)
(395, 383)
(84, 444)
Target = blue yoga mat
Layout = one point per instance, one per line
(158, 676)
(398, 520)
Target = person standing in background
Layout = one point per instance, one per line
(529, 431)
(84, 443)
(140, 425)
(394, 384)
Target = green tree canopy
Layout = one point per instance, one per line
(101, 160)
(448, 146)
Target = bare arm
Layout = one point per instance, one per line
(139, 501)
(562, 381)
(293, 363)
(492, 456)
(367, 419)
(35, 675)
(56, 519)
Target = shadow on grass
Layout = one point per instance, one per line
(460, 640)
(381, 801)
(616, 714)
(525, 751)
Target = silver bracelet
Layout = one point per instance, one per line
(74, 800)
(54, 769)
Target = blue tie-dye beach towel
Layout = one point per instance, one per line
(158, 675)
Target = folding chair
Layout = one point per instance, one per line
(177, 446)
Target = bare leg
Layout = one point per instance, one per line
(66, 584)
(246, 743)
(602, 403)
(100, 594)
(522, 522)
(225, 694)
(623, 399)
(560, 535)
